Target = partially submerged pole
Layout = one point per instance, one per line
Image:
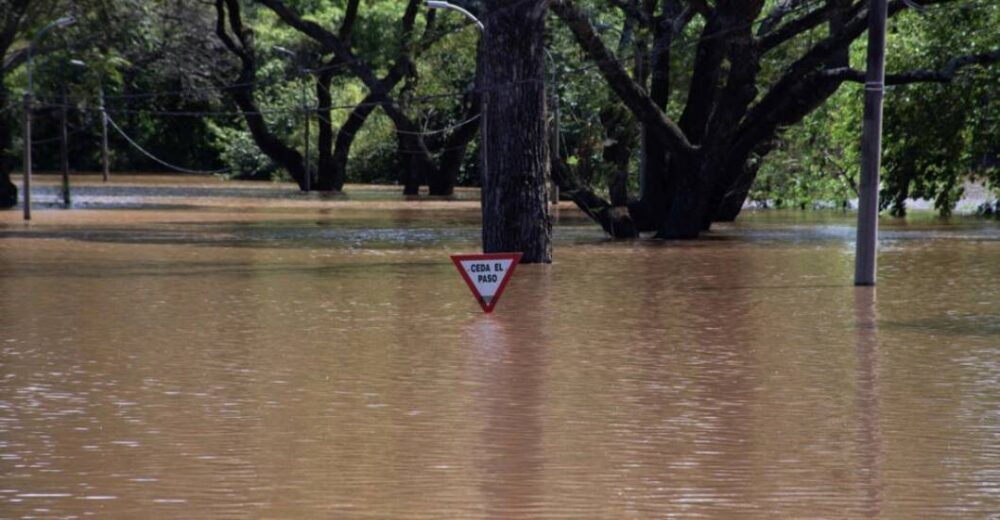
(871, 148)
(305, 115)
(61, 22)
(64, 151)
(27, 156)
(105, 173)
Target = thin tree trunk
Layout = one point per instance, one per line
(345, 138)
(655, 183)
(325, 176)
(415, 163)
(289, 158)
(516, 153)
(443, 179)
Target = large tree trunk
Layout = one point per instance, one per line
(8, 191)
(515, 158)
(414, 161)
(326, 176)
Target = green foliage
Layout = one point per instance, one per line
(814, 164)
(241, 157)
(937, 136)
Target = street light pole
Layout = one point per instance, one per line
(64, 149)
(61, 22)
(305, 115)
(64, 140)
(553, 187)
(865, 259)
(105, 173)
(26, 184)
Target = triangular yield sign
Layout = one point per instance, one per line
(487, 275)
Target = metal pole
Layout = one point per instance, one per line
(871, 148)
(305, 115)
(554, 192)
(61, 22)
(64, 151)
(27, 156)
(105, 173)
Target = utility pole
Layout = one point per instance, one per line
(27, 155)
(64, 150)
(305, 115)
(105, 173)
(553, 187)
(61, 22)
(871, 148)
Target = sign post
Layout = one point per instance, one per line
(487, 275)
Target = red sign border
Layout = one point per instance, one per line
(514, 257)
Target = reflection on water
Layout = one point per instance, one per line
(326, 361)
(869, 437)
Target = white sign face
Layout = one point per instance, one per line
(487, 275)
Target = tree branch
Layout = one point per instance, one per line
(811, 20)
(350, 16)
(220, 30)
(328, 40)
(944, 75)
(618, 78)
(777, 15)
(633, 11)
(242, 91)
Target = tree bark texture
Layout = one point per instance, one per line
(515, 158)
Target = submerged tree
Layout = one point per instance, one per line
(699, 169)
(515, 161)
(415, 155)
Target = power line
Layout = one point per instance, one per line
(155, 158)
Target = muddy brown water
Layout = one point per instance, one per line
(235, 356)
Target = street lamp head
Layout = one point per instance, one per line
(77, 63)
(60, 22)
(284, 50)
(440, 4)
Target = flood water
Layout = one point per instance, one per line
(240, 356)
